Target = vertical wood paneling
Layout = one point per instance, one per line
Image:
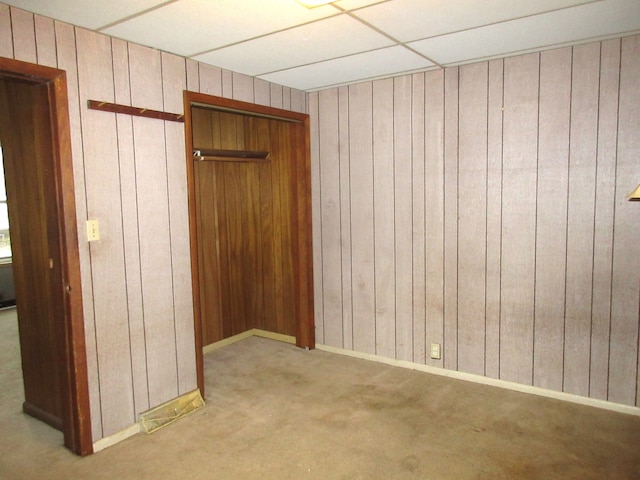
(298, 101)
(330, 215)
(269, 320)
(210, 79)
(362, 223)
(551, 228)
(345, 216)
(318, 285)
(242, 87)
(130, 229)
(45, 41)
(434, 209)
(262, 92)
(451, 118)
(494, 217)
(383, 208)
(154, 227)
(66, 59)
(286, 98)
(173, 83)
(403, 217)
(520, 145)
(193, 75)
(226, 84)
(604, 217)
(499, 198)
(418, 264)
(581, 200)
(276, 96)
(6, 37)
(95, 73)
(472, 234)
(623, 362)
(129, 174)
(24, 41)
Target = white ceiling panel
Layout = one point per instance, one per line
(408, 20)
(189, 27)
(379, 63)
(89, 14)
(597, 20)
(349, 40)
(335, 37)
(353, 4)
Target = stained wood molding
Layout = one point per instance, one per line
(136, 111)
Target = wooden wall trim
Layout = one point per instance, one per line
(75, 388)
(135, 111)
(305, 336)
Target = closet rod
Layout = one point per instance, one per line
(230, 155)
(136, 111)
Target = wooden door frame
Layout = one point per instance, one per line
(76, 418)
(301, 228)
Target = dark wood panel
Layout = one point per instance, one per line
(27, 146)
(284, 152)
(245, 211)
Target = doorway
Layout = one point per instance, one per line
(34, 132)
(248, 173)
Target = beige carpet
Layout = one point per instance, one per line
(278, 412)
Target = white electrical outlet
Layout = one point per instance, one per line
(435, 351)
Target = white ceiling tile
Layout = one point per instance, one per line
(189, 27)
(334, 37)
(90, 14)
(353, 4)
(596, 20)
(408, 20)
(354, 68)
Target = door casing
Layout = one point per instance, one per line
(301, 221)
(69, 335)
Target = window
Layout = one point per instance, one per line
(5, 240)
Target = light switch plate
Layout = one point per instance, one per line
(93, 230)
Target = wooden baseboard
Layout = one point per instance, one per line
(42, 415)
(254, 332)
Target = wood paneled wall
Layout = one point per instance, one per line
(130, 175)
(244, 216)
(484, 208)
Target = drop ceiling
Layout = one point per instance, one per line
(346, 41)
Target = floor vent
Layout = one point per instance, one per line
(171, 411)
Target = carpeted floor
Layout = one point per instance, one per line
(277, 412)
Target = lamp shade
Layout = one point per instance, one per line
(635, 195)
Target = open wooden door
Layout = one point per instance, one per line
(250, 214)
(34, 131)
(26, 138)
